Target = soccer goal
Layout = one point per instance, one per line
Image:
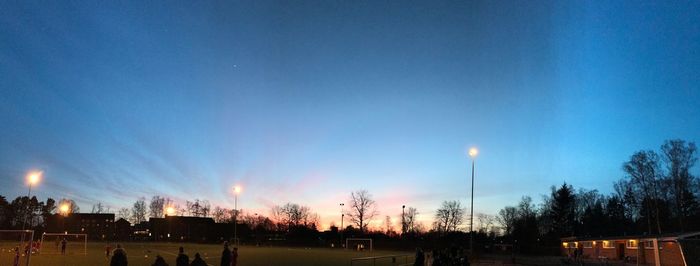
(16, 243)
(358, 244)
(53, 243)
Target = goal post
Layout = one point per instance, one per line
(52, 243)
(16, 243)
(359, 244)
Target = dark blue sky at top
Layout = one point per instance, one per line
(306, 101)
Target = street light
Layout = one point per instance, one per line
(342, 218)
(65, 208)
(473, 152)
(236, 191)
(33, 178)
(403, 220)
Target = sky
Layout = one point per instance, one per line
(306, 101)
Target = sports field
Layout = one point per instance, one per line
(143, 254)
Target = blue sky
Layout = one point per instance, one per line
(307, 101)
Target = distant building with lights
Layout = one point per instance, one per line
(666, 249)
(102, 226)
(97, 226)
(182, 228)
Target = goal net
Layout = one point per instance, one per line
(62, 243)
(16, 245)
(359, 244)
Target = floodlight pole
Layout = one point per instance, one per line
(342, 218)
(403, 220)
(235, 220)
(471, 215)
(29, 202)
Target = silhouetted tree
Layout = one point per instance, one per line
(388, 226)
(6, 214)
(506, 218)
(617, 221)
(156, 208)
(198, 208)
(97, 208)
(561, 211)
(449, 216)
(526, 228)
(124, 213)
(138, 211)
(486, 222)
(643, 172)
(48, 209)
(293, 215)
(362, 209)
(410, 216)
(221, 215)
(679, 158)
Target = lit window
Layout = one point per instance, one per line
(632, 244)
(588, 244)
(608, 244)
(649, 244)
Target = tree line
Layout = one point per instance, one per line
(361, 211)
(657, 194)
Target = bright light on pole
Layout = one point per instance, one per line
(65, 208)
(33, 178)
(236, 190)
(473, 152)
(342, 219)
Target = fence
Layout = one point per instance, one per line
(397, 260)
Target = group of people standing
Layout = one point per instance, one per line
(228, 258)
(453, 256)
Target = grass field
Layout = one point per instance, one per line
(143, 254)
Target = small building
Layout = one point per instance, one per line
(97, 226)
(123, 230)
(666, 249)
(141, 231)
(182, 228)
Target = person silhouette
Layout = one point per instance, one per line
(119, 257)
(226, 255)
(198, 261)
(182, 258)
(420, 258)
(234, 257)
(159, 261)
(16, 260)
(63, 246)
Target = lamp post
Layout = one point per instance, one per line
(169, 212)
(472, 153)
(403, 220)
(236, 191)
(32, 178)
(64, 209)
(342, 218)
